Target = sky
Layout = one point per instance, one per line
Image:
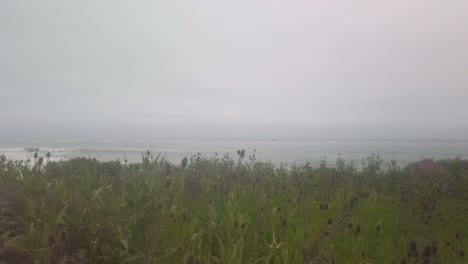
(211, 68)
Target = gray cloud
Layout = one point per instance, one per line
(278, 68)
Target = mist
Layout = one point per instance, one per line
(116, 70)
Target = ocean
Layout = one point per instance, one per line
(288, 152)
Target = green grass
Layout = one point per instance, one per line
(221, 210)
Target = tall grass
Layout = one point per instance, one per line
(222, 210)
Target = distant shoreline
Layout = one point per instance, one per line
(281, 151)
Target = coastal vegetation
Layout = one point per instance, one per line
(224, 209)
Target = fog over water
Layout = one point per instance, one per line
(289, 152)
(322, 77)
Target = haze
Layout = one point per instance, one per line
(298, 69)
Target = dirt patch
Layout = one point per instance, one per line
(12, 206)
(13, 255)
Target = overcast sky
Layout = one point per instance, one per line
(349, 68)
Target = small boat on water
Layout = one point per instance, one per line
(31, 149)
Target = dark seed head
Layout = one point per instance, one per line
(427, 252)
(358, 231)
(434, 247)
(191, 259)
(184, 162)
(236, 223)
(413, 248)
(51, 240)
(330, 221)
(63, 235)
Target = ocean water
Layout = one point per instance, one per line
(280, 151)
